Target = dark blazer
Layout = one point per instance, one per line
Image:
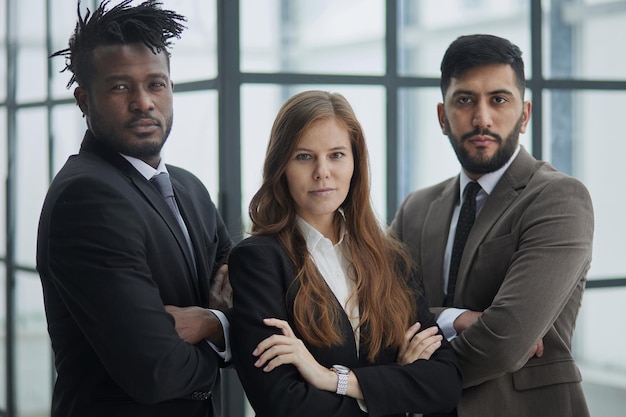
(525, 265)
(110, 255)
(262, 277)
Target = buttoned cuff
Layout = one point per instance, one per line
(226, 353)
(446, 321)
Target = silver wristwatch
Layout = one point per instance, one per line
(342, 378)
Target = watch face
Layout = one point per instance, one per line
(341, 369)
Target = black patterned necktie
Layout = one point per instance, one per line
(463, 227)
(164, 185)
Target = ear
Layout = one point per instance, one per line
(82, 99)
(526, 108)
(441, 116)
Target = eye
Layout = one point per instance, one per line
(464, 100)
(303, 157)
(119, 87)
(158, 85)
(337, 155)
(500, 100)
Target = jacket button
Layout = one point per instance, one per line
(201, 395)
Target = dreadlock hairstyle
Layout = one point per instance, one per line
(380, 264)
(146, 23)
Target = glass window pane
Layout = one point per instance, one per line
(425, 30)
(368, 104)
(3, 50)
(581, 38)
(63, 17)
(595, 151)
(425, 155)
(3, 338)
(599, 351)
(194, 55)
(31, 181)
(193, 144)
(3, 174)
(303, 36)
(68, 128)
(33, 350)
(31, 54)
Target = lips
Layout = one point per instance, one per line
(144, 125)
(482, 140)
(322, 192)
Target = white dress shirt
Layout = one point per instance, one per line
(334, 268)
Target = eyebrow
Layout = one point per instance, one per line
(336, 148)
(123, 77)
(490, 93)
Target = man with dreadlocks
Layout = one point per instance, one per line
(114, 256)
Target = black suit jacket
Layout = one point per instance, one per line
(110, 255)
(262, 277)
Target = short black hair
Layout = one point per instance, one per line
(145, 23)
(471, 51)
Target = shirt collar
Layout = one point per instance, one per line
(313, 237)
(145, 169)
(489, 180)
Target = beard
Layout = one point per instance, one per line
(481, 164)
(130, 145)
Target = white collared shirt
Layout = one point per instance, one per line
(487, 183)
(334, 268)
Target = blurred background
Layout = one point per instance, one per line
(236, 64)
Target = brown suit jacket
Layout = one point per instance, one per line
(524, 264)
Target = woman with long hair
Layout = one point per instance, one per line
(328, 319)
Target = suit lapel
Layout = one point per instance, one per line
(434, 240)
(91, 145)
(504, 194)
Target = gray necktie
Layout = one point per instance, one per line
(164, 185)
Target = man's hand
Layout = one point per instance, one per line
(537, 350)
(465, 320)
(195, 324)
(221, 293)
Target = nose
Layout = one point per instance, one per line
(141, 101)
(482, 116)
(321, 170)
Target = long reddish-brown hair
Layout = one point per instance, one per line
(380, 264)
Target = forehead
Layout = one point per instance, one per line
(128, 59)
(325, 132)
(484, 80)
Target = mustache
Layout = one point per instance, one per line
(481, 132)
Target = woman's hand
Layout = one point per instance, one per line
(286, 348)
(418, 345)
